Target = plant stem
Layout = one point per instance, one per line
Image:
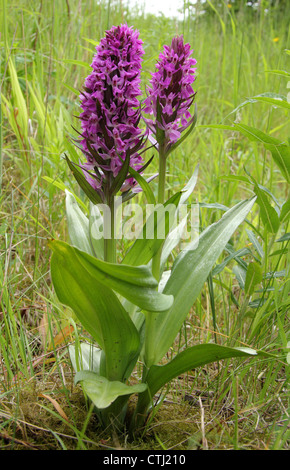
(161, 198)
(162, 176)
(109, 233)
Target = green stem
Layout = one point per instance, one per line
(162, 176)
(140, 413)
(109, 231)
(161, 198)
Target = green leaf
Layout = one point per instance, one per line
(148, 242)
(86, 187)
(81, 63)
(253, 277)
(102, 391)
(19, 99)
(176, 233)
(190, 271)
(272, 98)
(96, 307)
(236, 255)
(135, 283)
(283, 73)
(269, 216)
(284, 238)
(240, 274)
(144, 185)
(171, 242)
(121, 176)
(189, 187)
(255, 243)
(191, 358)
(87, 357)
(279, 150)
(78, 225)
(92, 41)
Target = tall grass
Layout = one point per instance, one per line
(45, 49)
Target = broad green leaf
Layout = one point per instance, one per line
(75, 91)
(176, 233)
(78, 225)
(190, 271)
(191, 358)
(253, 277)
(135, 283)
(97, 308)
(102, 391)
(149, 242)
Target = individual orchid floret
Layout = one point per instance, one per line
(171, 94)
(111, 138)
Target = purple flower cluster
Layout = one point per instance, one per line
(111, 110)
(171, 92)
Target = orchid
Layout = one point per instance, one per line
(111, 138)
(171, 94)
(133, 310)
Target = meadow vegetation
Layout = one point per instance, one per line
(241, 145)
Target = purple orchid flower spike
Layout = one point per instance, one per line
(111, 138)
(171, 95)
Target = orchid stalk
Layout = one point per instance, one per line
(168, 102)
(111, 138)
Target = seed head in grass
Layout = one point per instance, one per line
(111, 138)
(171, 94)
